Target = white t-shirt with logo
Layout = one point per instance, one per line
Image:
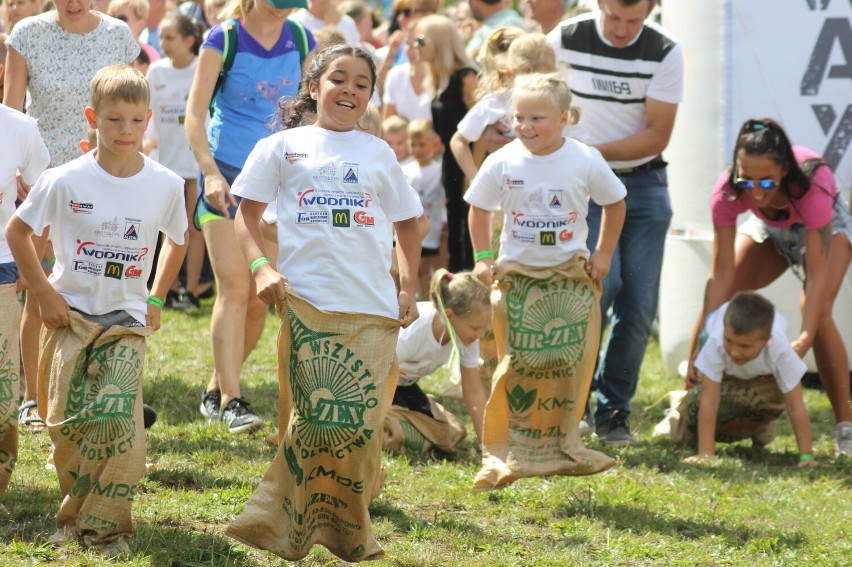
(169, 92)
(338, 195)
(420, 354)
(777, 358)
(545, 199)
(427, 182)
(24, 150)
(104, 230)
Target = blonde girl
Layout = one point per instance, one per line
(508, 53)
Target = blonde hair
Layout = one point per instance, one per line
(328, 36)
(492, 58)
(550, 86)
(371, 121)
(119, 82)
(237, 9)
(461, 292)
(421, 127)
(441, 34)
(531, 53)
(138, 7)
(394, 124)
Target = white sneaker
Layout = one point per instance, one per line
(842, 435)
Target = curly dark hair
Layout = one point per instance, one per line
(292, 112)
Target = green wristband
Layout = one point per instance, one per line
(483, 254)
(806, 457)
(155, 301)
(258, 262)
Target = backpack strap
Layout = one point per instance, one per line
(300, 38)
(229, 53)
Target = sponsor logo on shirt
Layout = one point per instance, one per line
(514, 183)
(132, 273)
(523, 236)
(312, 217)
(327, 172)
(81, 208)
(535, 198)
(113, 270)
(91, 250)
(293, 157)
(91, 268)
(1, 198)
(565, 235)
(131, 230)
(363, 219)
(350, 174)
(547, 238)
(334, 199)
(340, 218)
(108, 228)
(554, 197)
(520, 219)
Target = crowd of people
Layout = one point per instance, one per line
(502, 220)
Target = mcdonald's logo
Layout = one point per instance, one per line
(113, 270)
(548, 238)
(340, 217)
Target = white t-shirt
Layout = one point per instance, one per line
(777, 358)
(346, 25)
(61, 65)
(169, 93)
(338, 195)
(545, 199)
(497, 107)
(400, 93)
(611, 85)
(420, 354)
(104, 230)
(24, 150)
(427, 182)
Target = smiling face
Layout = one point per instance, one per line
(757, 168)
(120, 124)
(538, 123)
(342, 93)
(619, 23)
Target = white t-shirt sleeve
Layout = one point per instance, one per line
(174, 221)
(711, 359)
(486, 188)
(399, 200)
(605, 188)
(475, 121)
(37, 158)
(667, 83)
(261, 175)
(470, 355)
(393, 85)
(40, 205)
(789, 368)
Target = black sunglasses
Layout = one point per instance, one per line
(121, 17)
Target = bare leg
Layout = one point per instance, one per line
(195, 251)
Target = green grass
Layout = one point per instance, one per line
(652, 509)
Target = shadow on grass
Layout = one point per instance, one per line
(403, 522)
(199, 480)
(187, 546)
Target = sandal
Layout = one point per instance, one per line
(28, 418)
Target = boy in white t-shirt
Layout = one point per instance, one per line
(424, 174)
(105, 211)
(749, 373)
(24, 151)
(395, 133)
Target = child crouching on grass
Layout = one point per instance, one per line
(105, 211)
(749, 373)
(547, 319)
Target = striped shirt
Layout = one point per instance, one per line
(610, 84)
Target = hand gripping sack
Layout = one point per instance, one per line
(337, 373)
(547, 329)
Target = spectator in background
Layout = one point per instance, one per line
(362, 14)
(134, 13)
(492, 14)
(322, 13)
(195, 9)
(150, 33)
(548, 13)
(16, 10)
(213, 10)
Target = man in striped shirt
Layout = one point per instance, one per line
(626, 75)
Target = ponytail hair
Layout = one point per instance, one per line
(461, 292)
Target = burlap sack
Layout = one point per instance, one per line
(10, 362)
(90, 394)
(547, 329)
(337, 375)
(747, 409)
(416, 431)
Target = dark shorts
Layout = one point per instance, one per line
(413, 398)
(426, 252)
(204, 211)
(8, 273)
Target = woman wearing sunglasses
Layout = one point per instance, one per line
(799, 221)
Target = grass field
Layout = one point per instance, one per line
(651, 509)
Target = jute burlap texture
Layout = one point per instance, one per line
(10, 386)
(415, 431)
(747, 409)
(547, 329)
(90, 394)
(337, 375)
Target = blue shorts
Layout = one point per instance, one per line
(8, 273)
(204, 211)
